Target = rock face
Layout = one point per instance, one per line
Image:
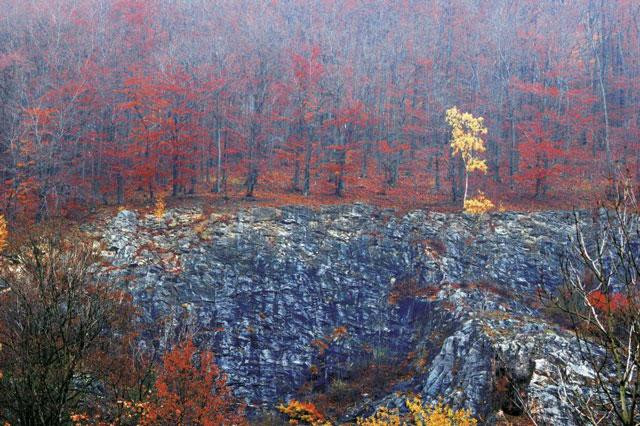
(280, 292)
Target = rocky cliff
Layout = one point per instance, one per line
(291, 296)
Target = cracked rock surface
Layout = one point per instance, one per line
(262, 285)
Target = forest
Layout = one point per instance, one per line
(319, 212)
(117, 102)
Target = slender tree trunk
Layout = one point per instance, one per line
(340, 176)
(605, 109)
(603, 94)
(174, 176)
(453, 180)
(513, 165)
(119, 189)
(295, 182)
(436, 172)
(306, 184)
(252, 176)
(219, 160)
(365, 160)
(466, 187)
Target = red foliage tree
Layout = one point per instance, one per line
(191, 390)
(109, 103)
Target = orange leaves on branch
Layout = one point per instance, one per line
(386, 148)
(535, 88)
(160, 207)
(40, 116)
(322, 344)
(305, 412)
(339, 332)
(191, 390)
(4, 232)
(419, 414)
(612, 303)
(308, 69)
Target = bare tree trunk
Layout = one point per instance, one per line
(603, 92)
(219, 163)
(466, 187)
(306, 184)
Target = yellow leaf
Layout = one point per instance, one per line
(4, 232)
(466, 141)
(480, 204)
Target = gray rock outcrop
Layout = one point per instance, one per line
(266, 288)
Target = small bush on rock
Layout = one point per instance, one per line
(420, 414)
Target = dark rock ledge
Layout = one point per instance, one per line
(457, 292)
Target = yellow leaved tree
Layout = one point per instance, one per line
(438, 414)
(420, 414)
(160, 206)
(466, 141)
(382, 417)
(303, 413)
(4, 232)
(479, 204)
